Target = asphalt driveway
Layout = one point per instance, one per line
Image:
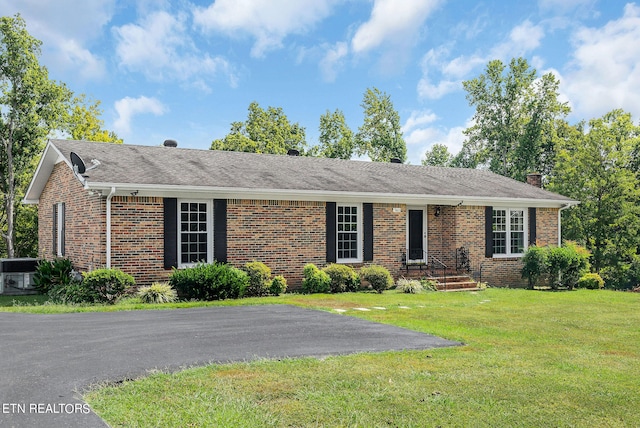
(47, 361)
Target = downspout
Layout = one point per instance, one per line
(560, 223)
(109, 197)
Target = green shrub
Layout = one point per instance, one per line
(343, 278)
(157, 293)
(567, 264)
(278, 285)
(259, 279)
(214, 281)
(534, 261)
(411, 286)
(591, 281)
(315, 280)
(52, 273)
(378, 276)
(429, 284)
(72, 293)
(107, 285)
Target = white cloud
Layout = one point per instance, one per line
(160, 48)
(417, 118)
(392, 22)
(68, 29)
(129, 107)
(267, 21)
(604, 73)
(333, 60)
(563, 6)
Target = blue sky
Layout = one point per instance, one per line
(185, 70)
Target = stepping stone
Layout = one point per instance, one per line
(362, 309)
(379, 307)
(340, 310)
(404, 307)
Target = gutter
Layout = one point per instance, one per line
(109, 197)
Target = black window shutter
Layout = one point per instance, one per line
(54, 230)
(532, 226)
(368, 231)
(488, 231)
(220, 230)
(170, 233)
(331, 232)
(62, 229)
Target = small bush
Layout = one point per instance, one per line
(315, 280)
(534, 261)
(216, 281)
(107, 285)
(157, 293)
(72, 293)
(429, 284)
(591, 281)
(343, 278)
(378, 276)
(52, 273)
(411, 286)
(278, 285)
(259, 279)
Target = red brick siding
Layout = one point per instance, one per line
(389, 235)
(85, 220)
(137, 238)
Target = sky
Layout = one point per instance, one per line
(185, 70)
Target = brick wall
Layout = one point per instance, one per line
(137, 238)
(85, 221)
(389, 236)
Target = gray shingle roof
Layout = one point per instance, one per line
(163, 166)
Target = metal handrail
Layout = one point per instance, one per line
(434, 259)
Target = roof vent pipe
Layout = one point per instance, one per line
(170, 143)
(396, 160)
(293, 152)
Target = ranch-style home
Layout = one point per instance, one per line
(149, 209)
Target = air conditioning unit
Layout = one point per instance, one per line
(16, 275)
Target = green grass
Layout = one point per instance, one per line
(531, 359)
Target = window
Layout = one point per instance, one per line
(348, 228)
(58, 229)
(194, 232)
(509, 231)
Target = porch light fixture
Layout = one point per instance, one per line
(437, 213)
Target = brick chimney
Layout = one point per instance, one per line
(534, 179)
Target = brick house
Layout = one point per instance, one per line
(147, 209)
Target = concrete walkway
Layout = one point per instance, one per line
(47, 361)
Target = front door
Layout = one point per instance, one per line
(416, 234)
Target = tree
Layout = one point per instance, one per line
(595, 166)
(265, 131)
(514, 120)
(336, 138)
(83, 122)
(438, 156)
(380, 136)
(31, 106)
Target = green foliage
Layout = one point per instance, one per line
(31, 106)
(378, 276)
(595, 165)
(107, 285)
(380, 136)
(535, 262)
(623, 276)
(591, 281)
(83, 122)
(409, 286)
(336, 138)
(74, 292)
(514, 122)
(278, 285)
(216, 281)
(438, 156)
(566, 265)
(343, 278)
(259, 279)
(264, 131)
(157, 293)
(51, 274)
(315, 280)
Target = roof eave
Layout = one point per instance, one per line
(181, 191)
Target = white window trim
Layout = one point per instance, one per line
(59, 228)
(359, 232)
(525, 217)
(209, 231)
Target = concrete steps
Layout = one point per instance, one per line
(447, 281)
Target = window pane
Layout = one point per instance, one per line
(193, 237)
(347, 226)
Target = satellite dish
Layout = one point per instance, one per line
(78, 164)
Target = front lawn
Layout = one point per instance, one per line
(531, 359)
